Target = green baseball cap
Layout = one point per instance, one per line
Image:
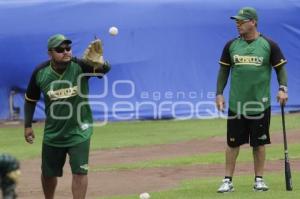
(55, 40)
(246, 13)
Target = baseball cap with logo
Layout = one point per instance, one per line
(246, 13)
(56, 40)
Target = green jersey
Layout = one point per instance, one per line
(251, 65)
(68, 114)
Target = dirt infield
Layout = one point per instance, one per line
(140, 180)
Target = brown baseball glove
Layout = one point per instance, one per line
(93, 55)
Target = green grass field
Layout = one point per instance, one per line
(146, 133)
(206, 189)
(274, 152)
(127, 134)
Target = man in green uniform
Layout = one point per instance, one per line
(63, 81)
(249, 59)
(9, 175)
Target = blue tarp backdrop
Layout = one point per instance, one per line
(164, 59)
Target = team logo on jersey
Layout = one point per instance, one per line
(85, 167)
(248, 60)
(263, 137)
(62, 93)
(84, 127)
(265, 99)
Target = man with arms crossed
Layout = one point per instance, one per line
(250, 58)
(63, 80)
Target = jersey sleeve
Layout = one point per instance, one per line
(90, 69)
(84, 66)
(33, 91)
(276, 58)
(225, 59)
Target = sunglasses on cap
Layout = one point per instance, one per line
(61, 49)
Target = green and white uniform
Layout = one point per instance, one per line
(68, 114)
(251, 64)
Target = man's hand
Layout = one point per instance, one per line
(282, 97)
(93, 55)
(29, 135)
(220, 102)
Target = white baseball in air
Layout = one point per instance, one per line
(144, 196)
(113, 31)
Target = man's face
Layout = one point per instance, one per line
(61, 54)
(245, 26)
